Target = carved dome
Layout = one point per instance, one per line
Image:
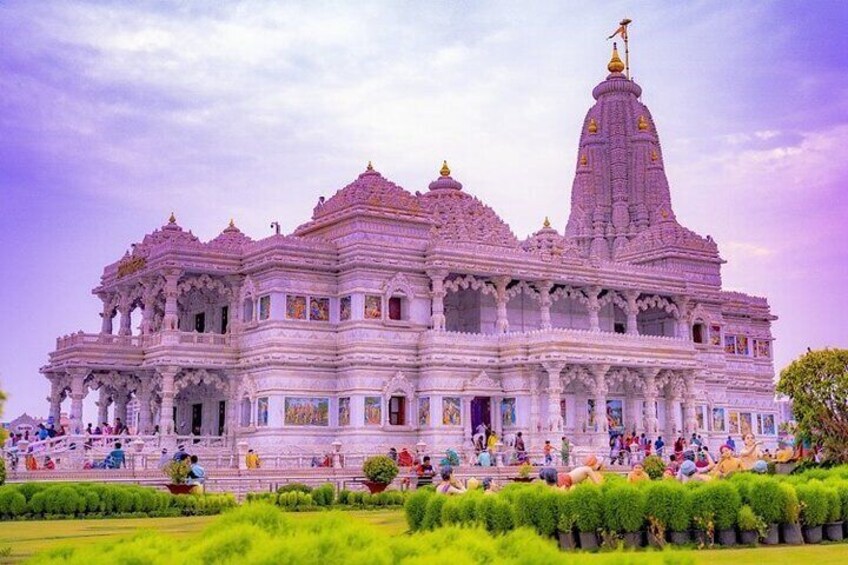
(170, 234)
(231, 239)
(548, 243)
(369, 189)
(666, 236)
(460, 217)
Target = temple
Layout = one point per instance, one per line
(403, 318)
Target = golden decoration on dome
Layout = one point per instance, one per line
(173, 219)
(370, 167)
(232, 223)
(584, 160)
(547, 223)
(664, 214)
(615, 65)
(130, 266)
(593, 126)
(643, 124)
(445, 170)
(654, 155)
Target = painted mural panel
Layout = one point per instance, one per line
(718, 419)
(319, 309)
(508, 412)
(373, 307)
(262, 411)
(563, 410)
(615, 415)
(373, 410)
(295, 307)
(451, 411)
(746, 424)
(424, 411)
(307, 411)
(344, 308)
(715, 335)
(590, 412)
(700, 410)
(264, 307)
(734, 422)
(741, 345)
(768, 425)
(344, 411)
(762, 348)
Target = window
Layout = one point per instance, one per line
(225, 318)
(762, 348)
(619, 328)
(698, 333)
(397, 411)
(395, 308)
(200, 322)
(319, 309)
(344, 308)
(265, 307)
(262, 411)
(245, 412)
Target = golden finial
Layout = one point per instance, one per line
(615, 65)
(593, 125)
(664, 214)
(584, 160)
(547, 223)
(232, 223)
(643, 124)
(370, 167)
(654, 155)
(173, 219)
(445, 170)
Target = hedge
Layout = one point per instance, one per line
(98, 500)
(297, 497)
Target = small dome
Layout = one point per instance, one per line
(169, 234)
(370, 189)
(664, 235)
(231, 239)
(445, 181)
(548, 242)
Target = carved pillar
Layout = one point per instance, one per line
(594, 307)
(171, 319)
(55, 399)
(144, 415)
(124, 308)
(683, 330)
(544, 288)
(103, 405)
(78, 376)
(632, 312)
(690, 419)
(501, 299)
(121, 405)
(599, 393)
(166, 413)
(672, 420)
(651, 425)
(233, 313)
(554, 391)
(535, 423)
(437, 295)
(106, 315)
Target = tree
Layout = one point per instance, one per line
(817, 384)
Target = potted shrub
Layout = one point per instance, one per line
(790, 529)
(589, 511)
(766, 500)
(566, 522)
(726, 504)
(751, 526)
(833, 526)
(380, 472)
(624, 513)
(654, 466)
(814, 510)
(524, 472)
(668, 511)
(177, 472)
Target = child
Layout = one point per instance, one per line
(548, 452)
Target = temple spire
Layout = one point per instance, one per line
(445, 170)
(615, 65)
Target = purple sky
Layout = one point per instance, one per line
(112, 115)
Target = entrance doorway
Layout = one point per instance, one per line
(481, 414)
(196, 418)
(222, 416)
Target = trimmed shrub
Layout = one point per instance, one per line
(324, 495)
(294, 487)
(343, 496)
(415, 507)
(834, 505)
(566, 513)
(669, 504)
(624, 509)
(451, 511)
(2, 471)
(380, 469)
(496, 515)
(814, 503)
(12, 503)
(433, 512)
(588, 507)
(790, 507)
(717, 503)
(748, 521)
(767, 499)
(546, 515)
(468, 506)
(654, 466)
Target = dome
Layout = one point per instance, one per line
(548, 243)
(666, 236)
(170, 234)
(231, 239)
(460, 217)
(369, 189)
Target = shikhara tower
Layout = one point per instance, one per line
(394, 318)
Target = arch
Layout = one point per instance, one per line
(399, 283)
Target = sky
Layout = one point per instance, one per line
(114, 114)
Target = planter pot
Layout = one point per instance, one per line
(375, 487)
(633, 539)
(812, 534)
(567, 541)
(748, 537)
(679, 538)
(701, 538)
(588, 540)
(791, 534)
(180, 489)
(772, 535)
(654, 541)
(833, 531)
(726, 537)
(522, 479)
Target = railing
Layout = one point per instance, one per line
(81, 338)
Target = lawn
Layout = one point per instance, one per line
(27, 538)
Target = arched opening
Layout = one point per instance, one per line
(247, 310)
(462, 311)
(656, 321)
(699, 332)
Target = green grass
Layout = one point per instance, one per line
(28, 538)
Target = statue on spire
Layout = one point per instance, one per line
(622, 31)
